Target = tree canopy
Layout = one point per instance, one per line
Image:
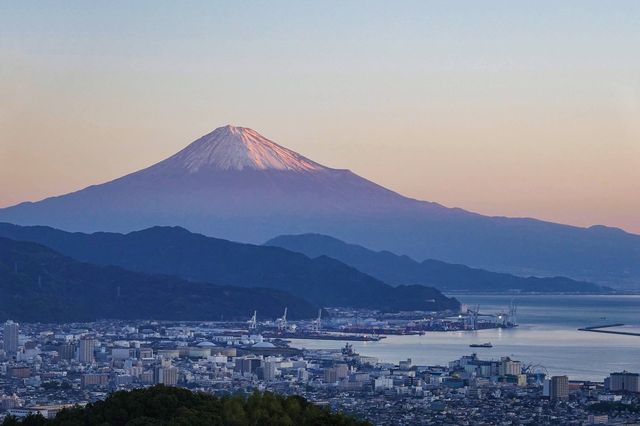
(170, 406)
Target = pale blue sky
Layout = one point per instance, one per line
(502, 107)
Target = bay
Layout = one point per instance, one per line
(547, 338)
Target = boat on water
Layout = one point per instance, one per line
(481, 345)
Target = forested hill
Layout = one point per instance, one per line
(165, 406)
(38, 284)
(176, 251)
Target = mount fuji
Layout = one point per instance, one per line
(234, 183)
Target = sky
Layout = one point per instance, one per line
(526, 109)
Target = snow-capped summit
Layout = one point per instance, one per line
(238, 148)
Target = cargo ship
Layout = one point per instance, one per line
(481, 345)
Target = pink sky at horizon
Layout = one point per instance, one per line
(522, 111)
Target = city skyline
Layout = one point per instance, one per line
(502, 110)
(85, 362)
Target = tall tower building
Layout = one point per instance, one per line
(559, 387)
(268, 370)
(10, 336)
(86, 350)
(167, 376)
(509, 367)
(624, 381)
(66, 351)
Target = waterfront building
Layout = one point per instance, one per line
(624, 381)
(559, 387)
(509, 367)
(405, 365)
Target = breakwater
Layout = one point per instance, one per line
(601, 329)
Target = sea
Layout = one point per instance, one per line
(546, 340)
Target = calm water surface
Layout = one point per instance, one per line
(547, 336)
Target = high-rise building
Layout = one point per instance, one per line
(330, 375)
(624, 381)
(268, 370)
(559, 387)
(167, 376)
(303, 375)
(10, 335)
(66, 351)
(404, 365)
(247, 365)
(509, 367)
(86, 350)
(342, 371)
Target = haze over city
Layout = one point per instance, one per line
(495, 107)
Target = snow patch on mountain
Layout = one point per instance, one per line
(238, 148)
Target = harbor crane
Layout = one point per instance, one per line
(282, 321)
(508, 319)
(253, 322)
(317, 323)
(473, 316)
(512, 313)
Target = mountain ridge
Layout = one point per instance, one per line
(253, 204)
(397, 270)
(175, 251)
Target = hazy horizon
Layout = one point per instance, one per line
(505, 109)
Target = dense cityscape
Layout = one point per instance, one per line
(45, 368)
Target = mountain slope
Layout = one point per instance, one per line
(38, 284)
(396, 270)
(176, 251)
(235, 184)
